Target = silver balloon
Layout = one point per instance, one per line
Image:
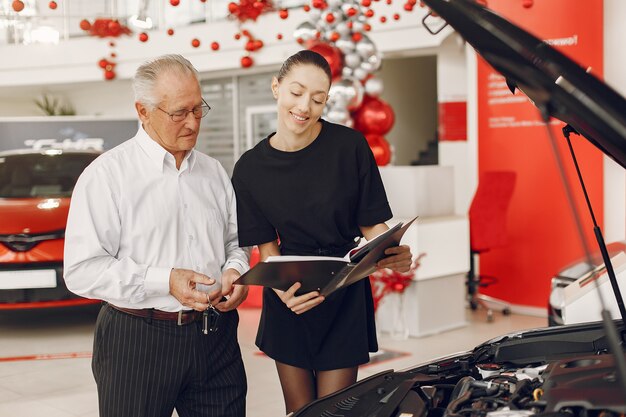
(345, 45)
(360, 74)
(348, 91)
(314, 15)
(346, 72)
(375, 61)
(374, 87)
(305, 31)
(342, 29)
(357, 27)
(365, 47)
(352, 60)
(338, 115)
(367, 67)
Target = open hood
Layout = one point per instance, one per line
(558, 86)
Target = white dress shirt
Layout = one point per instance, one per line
(134, 216)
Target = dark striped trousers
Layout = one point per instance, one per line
(148, 368)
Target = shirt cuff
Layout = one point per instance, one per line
(157, 281)
(238, 266)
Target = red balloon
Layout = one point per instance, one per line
(380, 148)
(85, 24)
(195, 42)
(215, 46)
(109, 75)
(246, 62)
(18, 5)
(374, 116)
(333, 56)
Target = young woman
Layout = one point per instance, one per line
(313, 188)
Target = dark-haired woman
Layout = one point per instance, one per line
(314, 186)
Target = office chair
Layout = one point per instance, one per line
(487, 219)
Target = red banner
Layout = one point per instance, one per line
(511, 136)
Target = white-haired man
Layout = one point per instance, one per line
(152, 231)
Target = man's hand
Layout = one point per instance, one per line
(183, 288)
(236, 293)
(398, 259)
(302, 303)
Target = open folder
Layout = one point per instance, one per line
(324, 273)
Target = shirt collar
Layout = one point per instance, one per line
(157, 154)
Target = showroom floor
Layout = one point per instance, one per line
(45, 359)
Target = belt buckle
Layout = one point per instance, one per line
(180, 317)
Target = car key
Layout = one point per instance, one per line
(210, 319)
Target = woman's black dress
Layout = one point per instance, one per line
(313, 200)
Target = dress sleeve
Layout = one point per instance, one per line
(253, 226)
(373, 207)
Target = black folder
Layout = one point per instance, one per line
(322, 273)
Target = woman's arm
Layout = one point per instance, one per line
(398, 257)
(297, 304)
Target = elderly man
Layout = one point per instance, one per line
(152, 231)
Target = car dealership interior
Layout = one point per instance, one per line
(499, 126)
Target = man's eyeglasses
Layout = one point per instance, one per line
(198, 112)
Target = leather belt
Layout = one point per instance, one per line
(181, 317)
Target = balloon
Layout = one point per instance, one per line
(380, 148)
(374, 87)
(347, 92)
(374, 116)
(360, 73)
(352, 60)
(338, 115)
(331, 54)
(346, 72)
(342, 29)
(375, 61)
(304, 32)
(345, 45)
(365, 47)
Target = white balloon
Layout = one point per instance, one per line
(352, 60)
(360, 73)
(305, 31)
(367, 67)
(365, 47)
(314, 15)
(375, 61)
(334, 4)
(342, 29)
(374, 87)
(345, 45)
(348, 91)
(338, 115)
(346, 71)
(357, 26)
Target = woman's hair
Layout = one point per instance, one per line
(302, 57)
(149, 72)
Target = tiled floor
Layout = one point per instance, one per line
(45, 359)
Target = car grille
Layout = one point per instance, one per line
(23, 242)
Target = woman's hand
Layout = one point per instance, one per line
(398, 259)
(301, 303)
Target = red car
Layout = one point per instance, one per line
(35, 190)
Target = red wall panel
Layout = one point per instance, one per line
(542, 233)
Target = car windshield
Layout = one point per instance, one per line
(41, 175)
